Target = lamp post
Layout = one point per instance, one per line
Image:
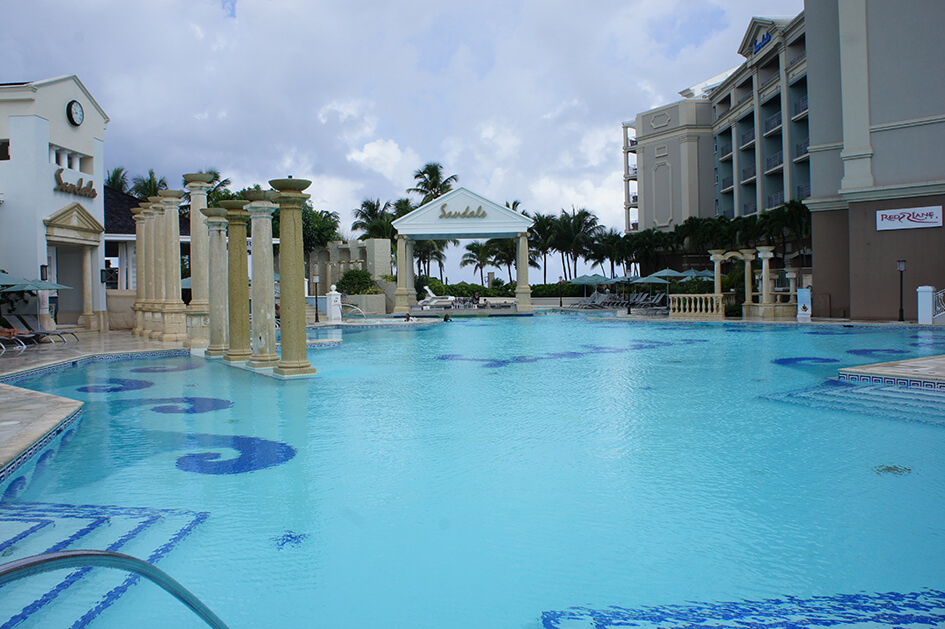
(901, 267)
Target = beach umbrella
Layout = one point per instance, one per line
(590, 280)
(10, 280)
(692, 274)
(36, 285)
(651, 279)
(667, 273)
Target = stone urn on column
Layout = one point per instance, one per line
(294, 361)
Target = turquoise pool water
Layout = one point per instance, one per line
(554, 471)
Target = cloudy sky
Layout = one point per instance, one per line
(522, 99)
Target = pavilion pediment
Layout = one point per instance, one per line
(461, 214)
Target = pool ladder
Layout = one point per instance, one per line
(38, 564)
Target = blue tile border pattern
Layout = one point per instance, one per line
(895, 381)
(925, 608)
(54, 439)
(68, 364)
(100, 520)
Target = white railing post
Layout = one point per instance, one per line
(924, 295)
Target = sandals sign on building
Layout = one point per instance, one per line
(74, 188)
(467, 213)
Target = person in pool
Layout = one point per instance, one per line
(446, 317)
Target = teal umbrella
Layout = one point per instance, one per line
(10, 280)
(35, 285)
(667, 273)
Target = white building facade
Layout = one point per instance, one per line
(52, 138)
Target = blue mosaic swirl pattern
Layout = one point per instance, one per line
(586, 350)
(254, 453)
(922, 609)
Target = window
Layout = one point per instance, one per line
(4, 150)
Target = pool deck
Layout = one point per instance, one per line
(27, 416)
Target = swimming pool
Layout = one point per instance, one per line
(555, 471)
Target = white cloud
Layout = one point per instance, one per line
(386, 158)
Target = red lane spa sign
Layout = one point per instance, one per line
(910, 218)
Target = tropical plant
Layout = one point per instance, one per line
(117, 179)
(541, 239)
(144, 187)
(357, 282)
(477, 256)
(431, 183)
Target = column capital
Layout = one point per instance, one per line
(260, 202)
(198, 182)
(747, 254)
(157, 204)
(234, 211)
(765, 253)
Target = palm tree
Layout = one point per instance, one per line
(608, 246)
(502, 252)
(371, 217)
(478, 256)
(541, 239)
(117, 179)
(144, 187)
(575, 232)
(431, 183)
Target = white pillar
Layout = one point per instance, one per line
(86, 319)
(766, 253)
(523, 292)
(217, 296)
(175, 323)
(717, 255)
(146, 261)
(924, 294)
(140, 282)
(198, 310)
(263, 341)
(159, 249)
(748, 255)
(401, 302)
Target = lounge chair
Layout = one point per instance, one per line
(8, 338)
(435, 301)
(32, 322)
(24, 335)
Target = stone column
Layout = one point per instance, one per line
(217, 296)
(766, 253)
(717, 255)
(238, 349)
(140, 256)
(260, 208)
(411, 278)
(175, 322)
(792, 286)
(523, 292)
(146, 261)
(87, 318)
(401, 303)
(748, 255)
(159, 248)
(198, 310)
(294, 360)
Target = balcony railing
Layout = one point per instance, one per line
(748, 136)
(774, 161)
(634, 200)
(725, 151)
(797, 58)
(803, 191)
(800, 106)
(749, 208)
(801, 148)
(748, 173)
(776, 199)
(631, 144)
(632, 172)
(771, 79)
(773, 122)
(743, 98)
(727, 182)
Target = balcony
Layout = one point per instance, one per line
(631, 173)
(726, 153)
(803, 191)
(801, 150)
(747, 138)
(771, 79)
(749, 208)
(743, 98)
(797, 58)
(748, 174)
(774, 162)
(634, 201)
(772, 124)
(775, 200)
(632, 145)
(800, 108)
(728, 183)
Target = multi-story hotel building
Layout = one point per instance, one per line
(832, 108)
(734, 145)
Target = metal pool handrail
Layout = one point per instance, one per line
(38, 564)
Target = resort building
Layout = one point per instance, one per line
(721, 150)
(829, 108)
(52, 135)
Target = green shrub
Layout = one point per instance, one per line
(734, 311)
(357, 282)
